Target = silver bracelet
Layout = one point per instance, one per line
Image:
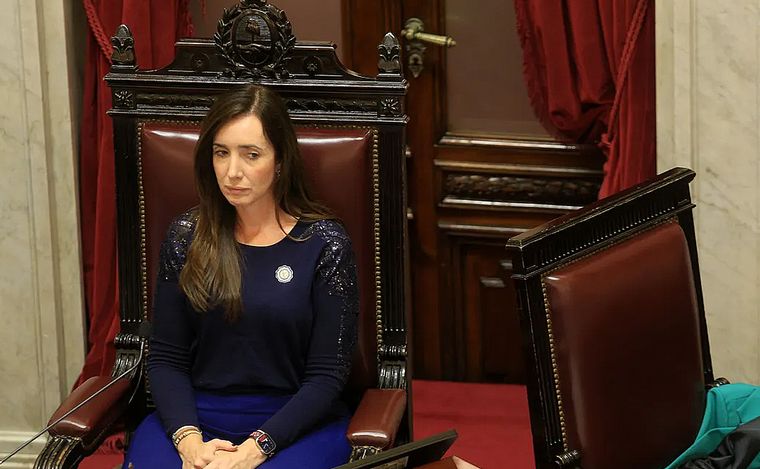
(190, 431)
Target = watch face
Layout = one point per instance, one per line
(267, 445)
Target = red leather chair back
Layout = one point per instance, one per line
(625, 327)
(339, 166)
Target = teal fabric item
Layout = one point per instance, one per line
(728, 406)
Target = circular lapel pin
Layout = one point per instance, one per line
(283, 274)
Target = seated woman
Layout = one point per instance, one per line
(255, 308)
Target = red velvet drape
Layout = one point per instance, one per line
(155, 24)
(589, 67)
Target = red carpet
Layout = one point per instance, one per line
(102, 461)
(492, 421)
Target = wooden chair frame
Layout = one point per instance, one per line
(318, 90)
(570, 238)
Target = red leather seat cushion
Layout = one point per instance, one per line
(338, 164)
(626, 333)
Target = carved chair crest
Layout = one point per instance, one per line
(256, 39)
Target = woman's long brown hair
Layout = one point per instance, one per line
(212, 276)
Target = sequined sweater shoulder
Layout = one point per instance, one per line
(173, 253)
(337, 268)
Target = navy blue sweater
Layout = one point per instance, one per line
(295, 335)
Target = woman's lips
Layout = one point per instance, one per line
(236, 190)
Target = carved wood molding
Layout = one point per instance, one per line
(390, 107)
(392, 375)
(175, 100)
(124, 99)
(332, 105)
(637, 208)
(392, 352)
(488, 187)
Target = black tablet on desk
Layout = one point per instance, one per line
(409, 455)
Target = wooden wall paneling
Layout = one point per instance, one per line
(471, 309)
(478, 185)
(482, 331)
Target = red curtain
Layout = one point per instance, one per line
(589, 67)
(155, 24)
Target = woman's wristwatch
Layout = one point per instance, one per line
(265, 442)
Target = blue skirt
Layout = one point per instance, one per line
(233, 418)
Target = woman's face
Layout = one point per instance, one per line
(244, 162)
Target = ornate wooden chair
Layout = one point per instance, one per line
(351, 133)
(613, 320)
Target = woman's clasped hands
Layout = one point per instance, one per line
(218, 454)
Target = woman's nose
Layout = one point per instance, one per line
(235, 169)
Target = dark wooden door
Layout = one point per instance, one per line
(480, 170)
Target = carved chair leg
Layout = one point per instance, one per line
(569, 459)
(361, 452)
(60, 452)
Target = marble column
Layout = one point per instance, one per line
(708, 119)
(41, 336)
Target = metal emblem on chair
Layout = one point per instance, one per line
(256, 39)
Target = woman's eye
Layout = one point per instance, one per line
(220, 153)
(253, 156)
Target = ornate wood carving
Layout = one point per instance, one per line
(176, 100)
(390, 107)
(256, 39)
(124, 99)
(128, 350)
(199, 61)
(331, 105)
(392, 375)
(60, 452)
(568, 458)
(389, 61)
(392, 352)
(123, 47)
(312, 65)
(521, 189)
(361, 452)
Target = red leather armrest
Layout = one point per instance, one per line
(377, 418)
(93, 419)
